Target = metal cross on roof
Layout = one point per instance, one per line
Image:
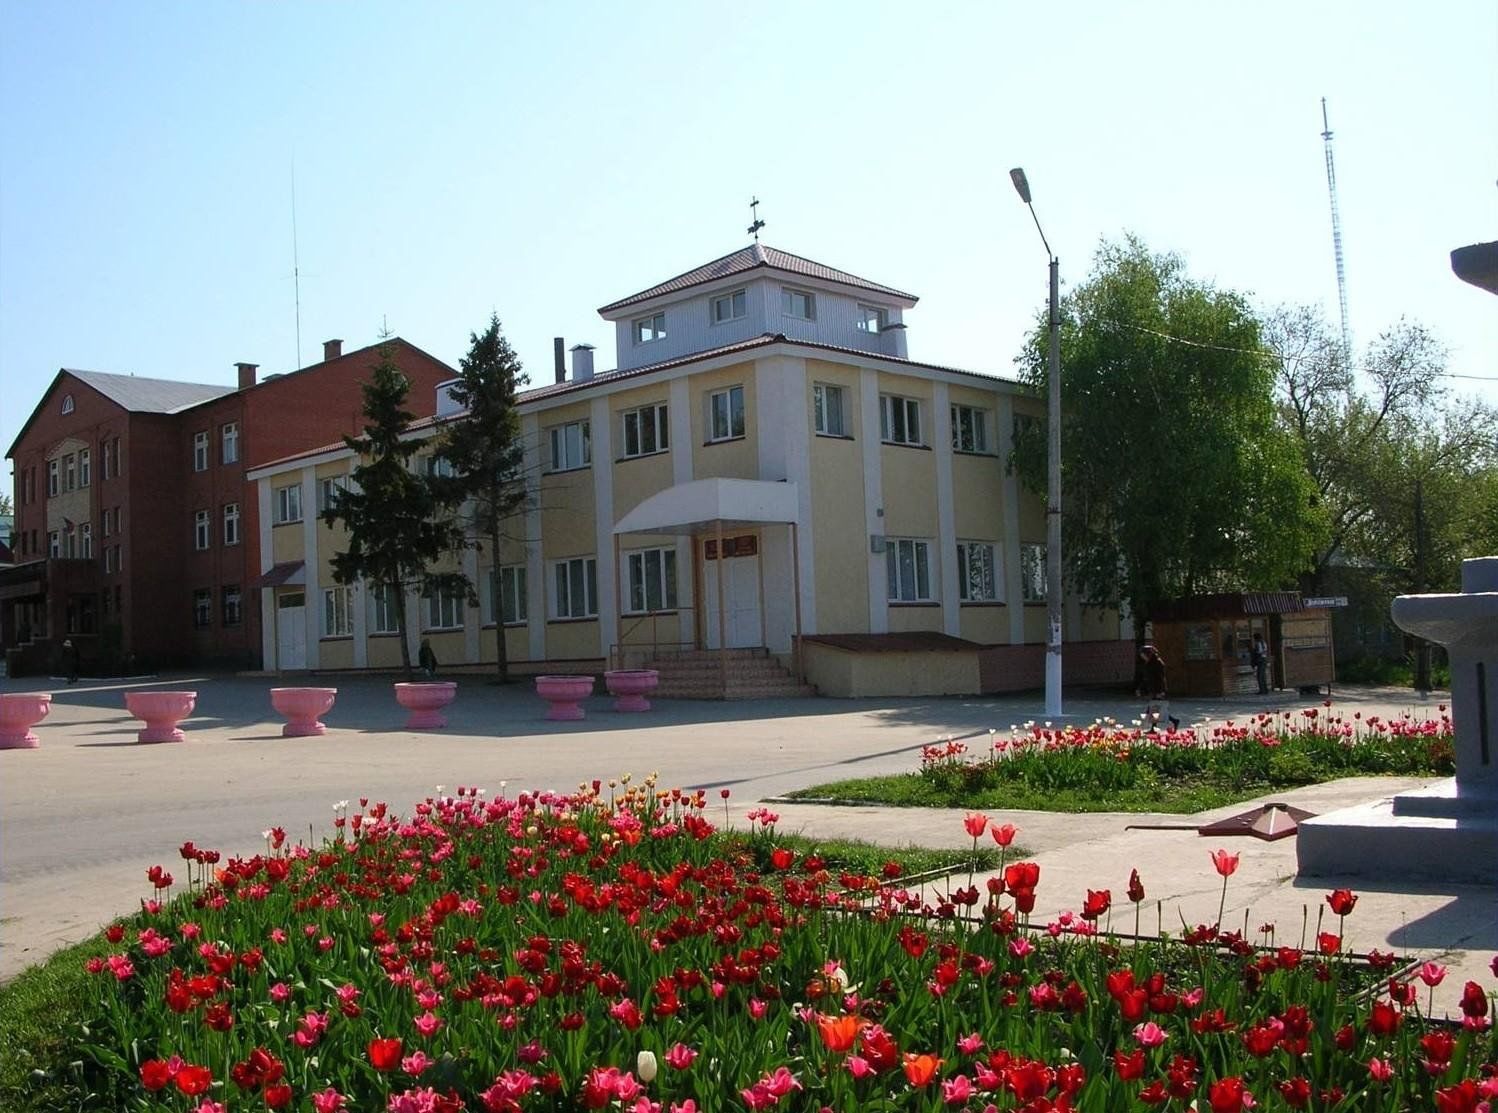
(758, 223)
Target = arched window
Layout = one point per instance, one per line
(67, 403)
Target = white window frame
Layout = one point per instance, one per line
(231, 523)
(505, 587)
(649, 330)
(105, 457)
(202, 608)
(54, 543)
(821, 410)
(789, 296)
(288, 504)
(229, 443)
(1032, 572)
(984, 552)
(69, 472)
(898, 410)
(974, 438)
(444, 609)
(646, 424)
(439, 466)
(326, 486)
(738, 306)
(228, 616)
(108, 561)
(338, 611)
(876, 315)
(86, 540)
(574, 584)
(85, 467)
(67, 404)
(54, 478)
(200, 450)
(910, 555)
(733, 406)
(565, 446)
(383, 618)
(650, 578)
(202, 529)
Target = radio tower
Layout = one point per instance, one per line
(1331, 187)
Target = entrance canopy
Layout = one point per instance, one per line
(708, 504)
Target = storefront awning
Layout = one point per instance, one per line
(292, 572)
(705, 504)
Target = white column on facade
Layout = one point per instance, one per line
(535, 561)
(264, 498)
(360, 605)
(679, 415)
(873, 497)
(1009, 545)
(473, 616)
(312, 566)
(602, 430)
(946, 516)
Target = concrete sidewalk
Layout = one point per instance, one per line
(83, 816)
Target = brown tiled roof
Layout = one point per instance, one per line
(750, 258)
(1228, 605)
(915, 641)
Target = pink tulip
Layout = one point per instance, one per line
(1149, 1034)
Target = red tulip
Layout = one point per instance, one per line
(1227, 864)
(1341, 901)
(1461, 1098)
(1129, 1066)
(781, 858)
(1003, 833)
(976, 823)
(385, 1054)
(1097, 902)
(155, 1074)
(1136, 887)
(193, 1081)
(1474, 1001)
(1227, 1095)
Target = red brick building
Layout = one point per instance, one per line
(135, 529)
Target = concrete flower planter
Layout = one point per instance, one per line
(629, 687)
(19, 712)
(425, 702)
(301, 708)
(162, 711)
(565, 695)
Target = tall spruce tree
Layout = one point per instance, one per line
(486, 488)
(396, 531)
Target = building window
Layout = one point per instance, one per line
(86, 541)
(289, 504)
(202, 530)
(104, 519)
(439, 466)
(645, 430)
(85, 467)
(53, 473)
(507, 584)
(798, 303)
(730, 307)
(231, 523)
(200, 451)
(650, 329)
(969, 429)
(202, 607)
(1032, 574)
(119, 468)
(67, 403)
(383, 618)
(69, 473)
(571, 446)
(899, 420)
(726, 414)
(576, 594)
(108, 559)
(908, 564)
(230, 434)
(54, 544)
(337, 612)
(828, 405)
(445, 610)
(977, 575)
(119, 566)
(652, 580)
(231, 605)
(328, 489)
(872, 318)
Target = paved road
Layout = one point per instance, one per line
(83, 816)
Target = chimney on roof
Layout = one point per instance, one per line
(331, 349)
(247, 374)
(559, 358)
(582, 363)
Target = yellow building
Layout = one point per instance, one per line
(766, 472)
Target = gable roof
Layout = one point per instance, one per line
(153, 396)
(755, 257)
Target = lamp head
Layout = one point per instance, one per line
(1021, 183)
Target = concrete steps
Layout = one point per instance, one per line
(751, 674)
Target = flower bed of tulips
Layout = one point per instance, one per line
(601, 951)
(1110, 766)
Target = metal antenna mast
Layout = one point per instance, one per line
(296, 270)
(1331, 186)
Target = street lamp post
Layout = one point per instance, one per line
(1053, 469)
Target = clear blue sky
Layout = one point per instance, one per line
(542, 160)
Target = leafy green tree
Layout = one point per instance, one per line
(486, 488)
(395, 531)
(1176, 478)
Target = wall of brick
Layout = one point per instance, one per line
(1019, 668)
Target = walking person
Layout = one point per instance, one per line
(1149, 684)
(1258, 656)
(427, 659)
(70, 660)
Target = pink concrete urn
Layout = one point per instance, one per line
(301, 707)
(629, 687)
(425, 701)
(565, 695)
(19, 712)
(162, 711)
